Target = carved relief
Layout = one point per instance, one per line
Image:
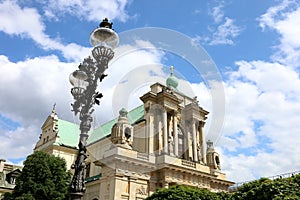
(141, 190)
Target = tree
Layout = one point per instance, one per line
(265, 189)
(44, 177)
(180, 192)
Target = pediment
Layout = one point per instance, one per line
(49, 121)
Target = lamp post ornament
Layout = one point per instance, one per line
(85, 80)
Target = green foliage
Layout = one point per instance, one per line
(262, 189)
(183, 193)
(7, 196)
(44, 177)
(266, 189)
(223, 195)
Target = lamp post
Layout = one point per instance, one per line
(84, 81)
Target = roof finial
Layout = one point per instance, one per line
(54, 105)
(106, 24)
(53, 112)
(172, 70)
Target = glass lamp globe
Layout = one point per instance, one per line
(78, 79)
(104, 35)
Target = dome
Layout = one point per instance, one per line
(172, 81)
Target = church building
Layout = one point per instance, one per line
(158, 144)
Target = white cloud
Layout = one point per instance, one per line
(28, 89)
(284, 18)
(217, 13)
(89, 10)
(225, 33)
(260, 136)
(132, 66)
(16, 20)
(267, 93)
(27, 23)
(224, 29)
(19, 142)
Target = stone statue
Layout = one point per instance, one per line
(171, 145)
(199, 152)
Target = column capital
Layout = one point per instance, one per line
(202, 123)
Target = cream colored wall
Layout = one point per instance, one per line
(139, 138)
(95, 152)
(70, 157)
(92, 191)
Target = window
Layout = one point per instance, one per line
(217, 160)
(87, 170)
(180, 142)
(127, 133)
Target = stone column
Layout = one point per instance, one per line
(150, 135)
(195, 155)
(189, 146)
(160, 135)
(175, 134)
(165, 131)
(202, 140)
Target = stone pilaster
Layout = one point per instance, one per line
(202, 141)
(150, 134)
(175, 134)
(132, 188)
(165, 131)
(195, 153)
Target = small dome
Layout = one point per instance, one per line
(172, 81)
(123, 112)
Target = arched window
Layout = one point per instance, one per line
(180, 142)
(127, 133)
(217, 160)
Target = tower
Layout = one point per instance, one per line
(213, 158)
(121, 133)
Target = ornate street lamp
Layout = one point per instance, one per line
(84, 80)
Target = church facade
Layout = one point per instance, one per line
(159, 144)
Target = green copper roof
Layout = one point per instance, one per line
(134, 115)
(68, 133)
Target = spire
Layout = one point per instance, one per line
(172, 81)
(53, 109)
(53, 112)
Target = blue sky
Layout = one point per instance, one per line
(255, 46)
